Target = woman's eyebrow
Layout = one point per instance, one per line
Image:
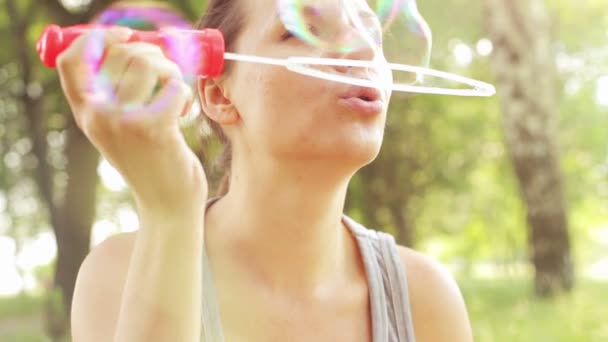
(311, 11)
(306, 11)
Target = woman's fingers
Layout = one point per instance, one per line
(72, 67)
(173, 100)
(120, 58)
(136, 91)
(142, 77)
(178, 98)
(165, 97)
(128, 108)
(136, 83)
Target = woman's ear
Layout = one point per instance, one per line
(214, 102)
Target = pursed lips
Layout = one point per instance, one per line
(366, 101)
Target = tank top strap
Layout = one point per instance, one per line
(387, 282)
(211, 327)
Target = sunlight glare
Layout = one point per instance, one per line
(102, 229)
(463, 54)
(110, 177)
(601, 95)
(11, 283)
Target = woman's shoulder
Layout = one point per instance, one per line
(438, 309)
(110, 257)
(113, 251)
(107, 261)
(99, 286)
(436, 303)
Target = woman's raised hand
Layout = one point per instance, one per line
(128, 107)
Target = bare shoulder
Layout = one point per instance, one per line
(438, 308)
(99, 287)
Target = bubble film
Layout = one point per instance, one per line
(142, 16)
(145, 16)
(393, 29)
(332, 25)
(407, 36)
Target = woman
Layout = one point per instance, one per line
(286, 264)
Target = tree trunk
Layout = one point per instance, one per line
(385, 205)
(71, 217)
(77, 214)
(526, 79)
(401, 219)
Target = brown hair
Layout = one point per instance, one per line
(225, 16)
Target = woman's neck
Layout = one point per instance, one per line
(285, 229)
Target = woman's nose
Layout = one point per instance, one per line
(363, 53)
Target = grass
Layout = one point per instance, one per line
(21, 319)
(501, 311)
(20, 306)
(23, 337)
(506, 310)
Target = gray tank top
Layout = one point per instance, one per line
(387, 282)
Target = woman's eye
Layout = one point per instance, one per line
(287, 35)
(312, 31)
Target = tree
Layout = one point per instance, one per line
(70, 206)
(526, 76)
(382, 195)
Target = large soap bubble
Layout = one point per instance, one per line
(343, 28)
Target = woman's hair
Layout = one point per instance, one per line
(226, 16)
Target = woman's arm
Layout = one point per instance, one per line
(128, 107)
(142, 286)
(161, 300)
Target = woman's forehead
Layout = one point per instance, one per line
(259, 12)
(262, 12)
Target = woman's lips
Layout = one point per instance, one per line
(366, 101)
(366, 108)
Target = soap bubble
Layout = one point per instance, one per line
(393, 29)
(141, 16)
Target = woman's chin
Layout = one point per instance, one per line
(362, 145)
(360, 157)
(350, 154)
(350, 148)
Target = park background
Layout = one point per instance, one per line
(510, 192)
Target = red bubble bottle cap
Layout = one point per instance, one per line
(209, 43)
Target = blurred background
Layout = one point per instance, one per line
(510, 192)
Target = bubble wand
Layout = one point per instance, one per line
(210, 47)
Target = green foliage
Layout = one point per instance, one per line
(24, 336)
(504, 310)
(20, 306)
(469, 209)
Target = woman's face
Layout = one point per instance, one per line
(289, 117)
